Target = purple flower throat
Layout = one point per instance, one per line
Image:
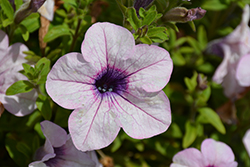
(111, 80)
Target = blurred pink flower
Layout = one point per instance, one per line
(213, 154)
(59, 151)
(246, 141)
(234, 71)
(11, 59)
(112, 84)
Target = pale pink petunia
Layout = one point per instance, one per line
(233, 48)
(246, 141)
(213, 154)
(11, 59)
(113, 84)
(59, 150)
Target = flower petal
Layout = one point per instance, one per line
(216, 152)
(4, 43)
(105, 43)
(70, 81)
(189, 157)
(47, 9)
(243, 71)
(45, 152)
(13, 58)
(222, 71)
(143, 117)
(230, 84)
(37, 164)
(20, 104)
(51, 131)
(93, 126)
(74, 156)
(145, 64)
(246, 141)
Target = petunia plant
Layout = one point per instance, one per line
(124, 83)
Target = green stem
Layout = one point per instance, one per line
(75, 36)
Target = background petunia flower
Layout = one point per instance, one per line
(246, 141)
(11, 59)
(59, 151)
(113, 84)
(235, 50)
(47, 9)
(213, 154)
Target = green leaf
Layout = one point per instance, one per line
(190, 134)
(203, 96)
(116, 144)
(192, 25)
(213, 5)
(7, 9)
(24, 148)
(191, 83)
(7, 22)
(42, 69)
(25, 32)
(202, 36)
(133, 19)
(31, 22)
(212, 117)
(178, 59)
(19, 87)
(43, 105)
(149, 18)
(157, 33)
(146, 40)
(122, 7)
(18, 3)
(56, 32)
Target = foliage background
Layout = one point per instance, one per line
(193, 109)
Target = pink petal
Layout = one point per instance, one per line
(4, 43)
(52, 132)
(93, 126)
(45, 152)
(189, 157)
(145, 64)
(14, 57)
(230, 84)
(47, 9)
(222, 71)
(74, 156)
(37, 164)
(246, 141)
(106, 43)
(69, 82)
(216, 152)
(243, 71)
(20, 104)
(143, 117)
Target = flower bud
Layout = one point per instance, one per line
(182, 15)
(26, 9)
(201, 82)
(141, 3)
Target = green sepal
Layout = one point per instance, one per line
(21, 86)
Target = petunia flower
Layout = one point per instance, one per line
(47, 9)
(234, 70)
(11, 59)
(213, 154)
(141, 4)
(112, 84)
(59, 151)
(246, 141)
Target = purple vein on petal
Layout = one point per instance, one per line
(126, 111)
(139, 108)
(93, 118)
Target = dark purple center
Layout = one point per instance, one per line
(54, 162)
(111, 80)
(210, 166)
